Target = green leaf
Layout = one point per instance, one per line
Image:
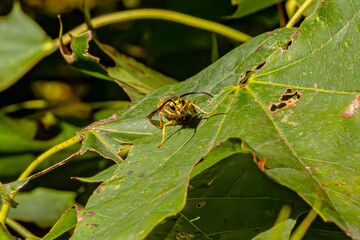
(283, 93)
(16, 140)
(312, 8)
(230, 200)
(151, 184)
(66, 222)
(23, 44)
(246, 7)
(133, 76)
(100, 177)
(5, 197)
(281, 230)
(42, 206)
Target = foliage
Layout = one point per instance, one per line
(282, 140)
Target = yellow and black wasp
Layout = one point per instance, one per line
(176, 110)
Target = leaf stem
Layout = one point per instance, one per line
(298, 14)
(304, 225)
(162, 15)
(5, 208)
(19, 228)
(5, 233)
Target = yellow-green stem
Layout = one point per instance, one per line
(19, 228)
(31, 104)
(162, 15)
(5, 208)
(298, 14)
(304, 226)
(5, 234)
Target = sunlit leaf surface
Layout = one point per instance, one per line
(283, 93)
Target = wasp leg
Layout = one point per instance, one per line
(172, 122)
(161, 121)
(202, 110)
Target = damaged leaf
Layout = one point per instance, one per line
(352, 108)
(5, 197)
(151, 184)
(134, 77)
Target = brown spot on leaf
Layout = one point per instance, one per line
(261, 164)
(86, 214)
(98, 189)
(324, 185)
(184, 236)
(270, 32)
(94, 225)
(352, 108)
(261, 47)
(287, 99)
(311, 168)
(130, 172)
(295, 36)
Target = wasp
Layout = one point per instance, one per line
(177, 110)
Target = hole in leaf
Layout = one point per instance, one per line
(200, 204)
(287, 99)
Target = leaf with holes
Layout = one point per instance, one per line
(134, 77)
(151, 184)
(283, 93)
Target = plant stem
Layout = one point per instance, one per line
(304, 225)
(298, 14)
(162, 15)
(19, 228)
(5, 208)
(31, 104)
(5, 233)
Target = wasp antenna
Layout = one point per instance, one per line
(185, 94)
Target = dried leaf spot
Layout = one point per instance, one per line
(261, 47)
(94, 225)
(98, 189)
(200, 204)
(86, 214)
(352, 108)
(141, 175)
(261, 164)
(130, 172)
(287, 99)
(184, 236)
(311, 168)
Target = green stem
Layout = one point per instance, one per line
(19, 228)
(162, 15)
(5, 208)
(5, 233)
(31, 104)
(298, 14)
(304, 225)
